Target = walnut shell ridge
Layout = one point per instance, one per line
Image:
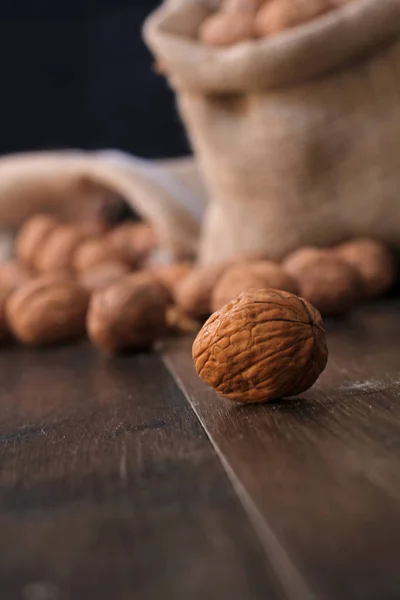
(265, 345)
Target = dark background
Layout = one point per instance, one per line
(77, 75)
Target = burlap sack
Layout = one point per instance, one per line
(298, 136)
(170, 195)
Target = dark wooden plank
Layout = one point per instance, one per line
(109, 488)
(320, 475)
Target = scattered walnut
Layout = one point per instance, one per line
(277, 15)
(265, 345)
(129, 314)
(241, 5)
(193, 293)
(251, 275)
(57, 251)
(94, 252)
(375, 263)
(12, 276)
(325, 280)
(225, 29)
(48, 310)
(172, 275)
(32, 236)
(133, 242)
(103, 275)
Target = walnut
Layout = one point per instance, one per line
(12, 276)
(226, 29)
(172, 275)
(241, 5)
(102, 275)
(134, 242)
(179, 322)
(48, 310)
(193, 293)
(265, 345)
(374, 262)
(325, 280)
(94, 252)
(32, 236)
(58, 250)
(5, 334)
(251, 275)
(129, 314)
(277, 15)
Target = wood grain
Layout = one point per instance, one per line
(109, 488)
(320, 475)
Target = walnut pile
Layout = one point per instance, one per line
(243, 20)
(265, 345)
(102, 281)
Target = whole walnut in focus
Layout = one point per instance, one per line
(58, 249)
(226, 29)
(31, 237)
(193, 293)
(12, 276)
(102, 275)
(325, 280)
(133, 242)
(277, 15)
(251, 275)
(171, 275)
(265, 345)
(48, 310)
(94, 252)
(374, 262)
(129, 314)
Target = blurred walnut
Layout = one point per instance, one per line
(32, 236)
(172, 275)
(58, 250)
(128, 314)
(48, 310)
(94, 252)
(374, 262)
(265, 345)
(236, 6)
(251, 275)
(325, 280)
(179, 322)
(102, 275)
(12, 276)
(193, 293)
(277, 15)
(226, 29)
(5, 334)
(133, 242)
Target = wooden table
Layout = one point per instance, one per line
(127, 478)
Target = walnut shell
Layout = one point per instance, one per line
(226, 29)
(129, 314)
(193, 293)
(102, 275)
(325, 280)
(264, 345)
(251, 275)
(172, 275)
(48, 310)
(374, 262)
(32, 236)
(133, 242)
(92, 253)
(277, 15)
(12, 276)
(58, 250)
(251, 6)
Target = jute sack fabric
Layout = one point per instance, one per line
(297, 136)
(71, 184)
